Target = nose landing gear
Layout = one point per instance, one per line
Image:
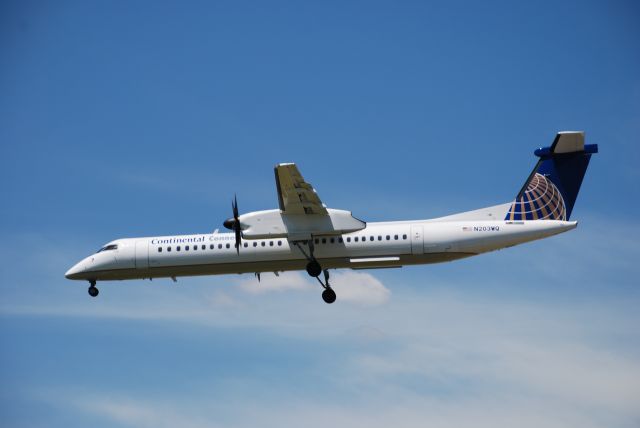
(93, 290)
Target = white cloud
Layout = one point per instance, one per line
(124, 410)
(350, 286)
(221, 299)
(576, 375)
(269, 282)
(359, 287)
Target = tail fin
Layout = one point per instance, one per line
(552, 187)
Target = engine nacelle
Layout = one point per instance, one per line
(297, 227)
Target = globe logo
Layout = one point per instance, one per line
(540, 201)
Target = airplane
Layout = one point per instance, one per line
(304, 234)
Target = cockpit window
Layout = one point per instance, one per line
(108, 248)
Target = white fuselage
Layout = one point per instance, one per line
(379, 245)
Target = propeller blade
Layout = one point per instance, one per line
(235, 225)
(238, 239)
(234, 206)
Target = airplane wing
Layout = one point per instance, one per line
(295, 195)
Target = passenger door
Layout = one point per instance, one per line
(416, 240)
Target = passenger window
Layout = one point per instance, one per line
(324, 240)
(364, 238)
(395, 237)
(255, 244)
(169, 249)
(195, 247)
(159, 249)
(348, 239)
(404, 236)
(246, 245)
(186, 248)
(317, 241)
(379, 237)
(263, 243)
(204, 247)
(388, 237)
(219, 246)
(371, 238)
(355, 239)
(340, 240)
(271, 243)
(211, 247)
(228, 246)
(178, 248)
(279, 243)
(333, 241)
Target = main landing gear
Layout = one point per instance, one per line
(314, 269)
(93, 290)
(328, 295)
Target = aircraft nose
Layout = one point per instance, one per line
(75, 271)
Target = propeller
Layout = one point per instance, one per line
(234, 223)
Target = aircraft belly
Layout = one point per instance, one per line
(276, 265)
(212, 269)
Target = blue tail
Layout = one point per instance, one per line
(552, 187)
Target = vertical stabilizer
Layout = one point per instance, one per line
(551, 190)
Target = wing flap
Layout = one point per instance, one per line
(295, 195)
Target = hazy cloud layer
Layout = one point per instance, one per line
(422, 359)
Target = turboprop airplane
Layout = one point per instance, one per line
(304, 234)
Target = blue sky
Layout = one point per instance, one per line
(144, 118)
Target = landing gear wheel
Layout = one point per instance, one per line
(93, 291)
(314, 269)
(328, 295)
